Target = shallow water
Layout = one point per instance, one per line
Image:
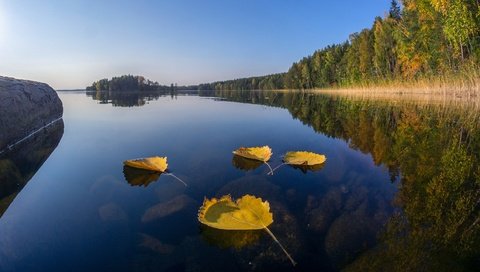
(383, 195)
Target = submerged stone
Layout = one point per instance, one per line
(167, 208)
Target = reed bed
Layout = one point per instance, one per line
(460, 89)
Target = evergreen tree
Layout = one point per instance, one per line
(394, 12)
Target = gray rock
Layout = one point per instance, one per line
(25, 106)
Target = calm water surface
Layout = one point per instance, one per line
(399, 190)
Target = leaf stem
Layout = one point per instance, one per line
(278, 242)
(170, 174)
(271, 172)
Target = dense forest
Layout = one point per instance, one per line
(415, 40)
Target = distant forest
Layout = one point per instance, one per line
(420, 39)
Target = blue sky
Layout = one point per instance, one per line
(71, 43)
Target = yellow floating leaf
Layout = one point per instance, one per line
(255, 153)
(247, 213)
(158, 164)
(304, 158)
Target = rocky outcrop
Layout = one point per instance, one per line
(25, 107)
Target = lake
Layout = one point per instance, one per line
(400, 190)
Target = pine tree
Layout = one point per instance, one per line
(395, 12)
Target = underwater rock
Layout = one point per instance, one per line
(153, 244)
(167, 208)
(112, 212)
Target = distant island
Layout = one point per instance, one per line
(131, 83)
(132, 91)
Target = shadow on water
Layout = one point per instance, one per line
(20, 164)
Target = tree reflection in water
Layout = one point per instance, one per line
(434, 150)
(122, 98)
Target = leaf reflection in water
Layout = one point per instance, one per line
(236, 239)
(140, 177)
(245, 164)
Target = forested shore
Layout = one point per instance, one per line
(418, 44)
(428, 45)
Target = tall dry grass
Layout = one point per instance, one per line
(461, 87)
